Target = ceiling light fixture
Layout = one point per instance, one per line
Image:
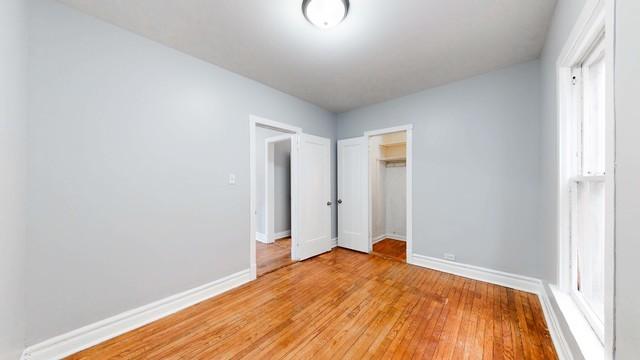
(325, 14)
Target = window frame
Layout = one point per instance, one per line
(582, 175)
(597, 325)
(594, 24)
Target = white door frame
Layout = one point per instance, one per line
(409, 131)
(269, 191)
(255, 121)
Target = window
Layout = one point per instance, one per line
(587, 185)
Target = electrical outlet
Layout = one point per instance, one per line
(232, 179)
(450, 257)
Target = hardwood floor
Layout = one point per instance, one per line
(347, 305)
(393, 249)
(271, 257)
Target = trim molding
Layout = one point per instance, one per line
(509, 280)
(513, 281)
(334, 242)
(388, 236)
(281, 235)
(261, 237)
(93, 334)
(396, 237)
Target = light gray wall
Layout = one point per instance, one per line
(395, 204)
(627, 90)
(13, 125)
(476, 178)
(282, 179)
(130, 147)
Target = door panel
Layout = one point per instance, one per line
(353, 225)
(314, 235)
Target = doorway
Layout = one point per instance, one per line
(388, 194)
(375, 193)
(273, 195)
(309, 195)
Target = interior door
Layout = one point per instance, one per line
(314, 189)
(353, 227)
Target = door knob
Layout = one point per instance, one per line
(339, 201)
(329, 203)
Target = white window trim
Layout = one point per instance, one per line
(587, 340)
(597, 18)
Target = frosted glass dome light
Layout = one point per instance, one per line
(325, 14)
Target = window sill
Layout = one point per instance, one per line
(588, 342)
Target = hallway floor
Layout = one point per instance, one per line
(271, 257)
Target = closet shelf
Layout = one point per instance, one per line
(393, 158)
(395, 143)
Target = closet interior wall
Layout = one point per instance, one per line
(387, 164)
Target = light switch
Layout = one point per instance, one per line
(232, 179)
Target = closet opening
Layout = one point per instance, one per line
(387, 158)
(374, 193)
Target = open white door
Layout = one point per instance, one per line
(313, 235)
(353, 225)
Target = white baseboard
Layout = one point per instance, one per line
(334, 242)
(93, 334)
(388, 236)
(277, 236)
(261, 237)
(518, 282)
(513, 281)
(282, 235)
(396, 237)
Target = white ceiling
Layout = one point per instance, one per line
(383, 50)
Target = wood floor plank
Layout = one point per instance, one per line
(467, 322)
(346, 305)
(542, 332)
(474, 348)
(452, 319)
